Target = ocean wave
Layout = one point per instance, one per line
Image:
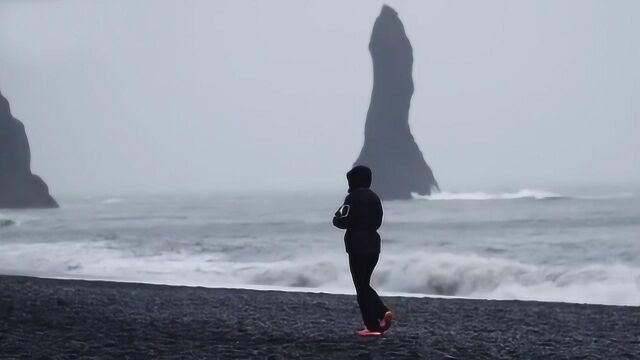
(623, 195)
(142, 217)
(113, 201)
(497, 278)
(454, 275)
(6, 223)
(420, 273)
(479, 195)
(533, 194)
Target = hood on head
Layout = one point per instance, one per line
(359, 177)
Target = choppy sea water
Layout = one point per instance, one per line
(527, 244)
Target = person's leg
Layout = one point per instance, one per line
(378, 308)
(361, 274)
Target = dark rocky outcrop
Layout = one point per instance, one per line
(19, 188)
(389, 148)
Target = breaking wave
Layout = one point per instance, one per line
(468, 276)
(497, 278)
(532, 194)
(424, 273)
(478, 195)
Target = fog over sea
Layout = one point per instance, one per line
(574, 245)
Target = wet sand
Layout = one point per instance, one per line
(72, 319)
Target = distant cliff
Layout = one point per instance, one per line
(19, 188)
(389, 148)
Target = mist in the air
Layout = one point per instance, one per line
(207, 96)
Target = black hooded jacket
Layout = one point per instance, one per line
(361, 214)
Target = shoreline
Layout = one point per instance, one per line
(56, 318)
(305, 290)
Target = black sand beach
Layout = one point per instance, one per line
(69, 319)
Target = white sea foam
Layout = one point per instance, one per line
(534, 194)
(496, 278)
(113, 201)
(426, 273)
(479, 195)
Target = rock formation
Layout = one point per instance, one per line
(19, 188)
(389, 148)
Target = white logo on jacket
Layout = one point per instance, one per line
(343, 211)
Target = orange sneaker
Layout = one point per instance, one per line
(367, 332)
(385, 322)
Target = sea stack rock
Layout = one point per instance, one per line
(19, 188)
(389, 148)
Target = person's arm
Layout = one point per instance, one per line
(343, 218)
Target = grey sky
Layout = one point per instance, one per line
(167, 96)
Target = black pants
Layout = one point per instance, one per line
(371, 307)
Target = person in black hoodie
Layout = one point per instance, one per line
(361, 217)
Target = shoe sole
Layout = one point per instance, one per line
(370, 333)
